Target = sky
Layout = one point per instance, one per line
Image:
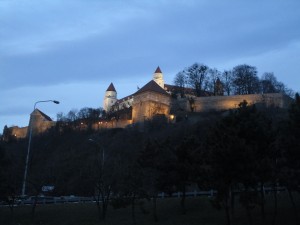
(71, 50)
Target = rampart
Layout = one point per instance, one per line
(18, 132)
(144, 107)
(220, 103)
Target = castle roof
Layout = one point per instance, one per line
(119, 101)
(152, 86)
(158, 70)
(111, 87)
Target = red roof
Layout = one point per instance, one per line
(111, 88)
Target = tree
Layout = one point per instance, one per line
(245, 80)
(128, 187)
(102, 175)
(180, 80)
(269, 83)
(72, 115)
(197, 76)
(155, 160)
(184, 166)
(227, 80)
(224, 150)
(213, 82)
(7, 191)
(289, 135)
(241, 155)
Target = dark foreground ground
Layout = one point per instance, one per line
(199, 211)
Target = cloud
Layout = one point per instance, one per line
(34, 26)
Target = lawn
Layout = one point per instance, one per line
(199, 211)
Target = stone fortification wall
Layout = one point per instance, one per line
(18, 132)
(121, 123)
(148, 104)
(41, 126)
(219, 103)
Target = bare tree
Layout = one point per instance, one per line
(197, 75)
(181, 81)
(227, 80)
(269, 83)
(213, 81)
(72, 115)
(245, 80)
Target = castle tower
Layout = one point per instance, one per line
(40, 122)
(110, 97)
(158, 78)
(149, 101)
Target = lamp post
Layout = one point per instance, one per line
(29, 143)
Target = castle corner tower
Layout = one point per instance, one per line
(158, 78)
(110, 97)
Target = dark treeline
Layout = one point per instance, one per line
(242, 79)
(237, 154)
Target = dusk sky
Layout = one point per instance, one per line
(70, 50)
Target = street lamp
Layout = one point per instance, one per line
(29, 143)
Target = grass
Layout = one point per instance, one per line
(199, 211)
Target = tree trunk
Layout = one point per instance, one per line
(133, 210)
(99, 209)
(105, 201)
(249, 215)
(155, 209)
(232, 201)
(104, 206)
(262, 193)
(97, 201)
(294, 205)
(33, 208)
(11, 207)
(182, 201)
(227, 209)
(275, 204)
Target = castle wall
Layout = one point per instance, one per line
(122, 123)
(147, 104)
(218, 103)
(42, 126)
(39, 123)
(18, 132)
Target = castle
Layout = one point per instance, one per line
(158, 98)
(154, 99)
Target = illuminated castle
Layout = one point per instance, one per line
(155, 99)
(150, 100)
(158, 98)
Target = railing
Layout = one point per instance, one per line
(76, 199)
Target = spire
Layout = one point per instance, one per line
(158, 70)
(158, 77)
(111, 87)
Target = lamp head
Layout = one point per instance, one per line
(56, 102)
